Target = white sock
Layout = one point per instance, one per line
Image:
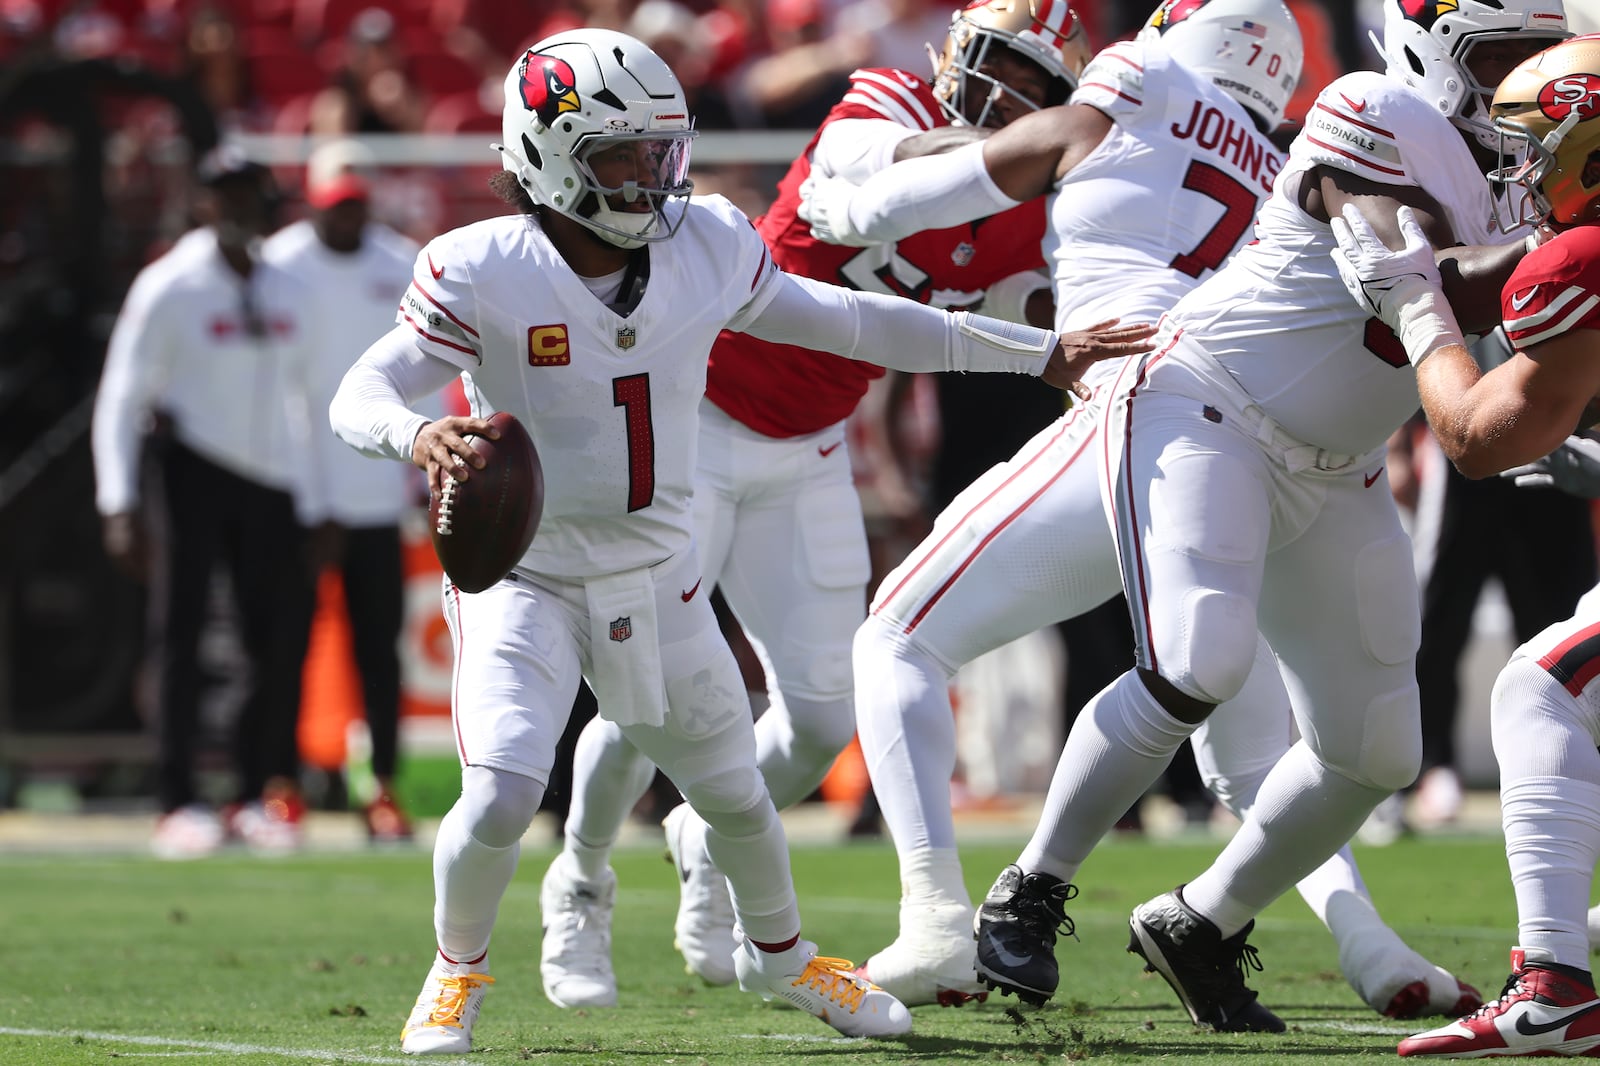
(908, 739)
(1303, 813)
(1119, 745)
(931, 877)
(608, 778)
(1549, 808)
(469, 880)
(756, 864)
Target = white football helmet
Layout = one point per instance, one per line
(1251, 48)
(1046, 31)
(586, 91)
(1428, 45)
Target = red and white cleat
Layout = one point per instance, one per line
(1541, 1012)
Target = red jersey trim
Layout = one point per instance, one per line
(1336, 150)
(447, 313)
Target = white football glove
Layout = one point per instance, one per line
(1380, 278)
(1401, 287)
(1574, 468)
(825, 203)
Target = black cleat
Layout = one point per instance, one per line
(1016, 932)
(1206, 971)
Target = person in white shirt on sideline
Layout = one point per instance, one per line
(204, 371)
(356, 270)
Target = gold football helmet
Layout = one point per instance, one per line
(1548, 113)
(1045, 31)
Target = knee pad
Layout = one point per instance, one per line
(1390, 750)
(822, 727)
(734, 802)
(1219, 634)
(498, 805)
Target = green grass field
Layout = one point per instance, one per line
(317, 958)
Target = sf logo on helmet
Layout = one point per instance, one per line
(1426, 12)
(548, 86)
(1575, 92)
(1173, 12)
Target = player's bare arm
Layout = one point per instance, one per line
(1520, 411)
(1030, 155)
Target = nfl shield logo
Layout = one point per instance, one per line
(622, 628)
(963, 254)
(625, 337)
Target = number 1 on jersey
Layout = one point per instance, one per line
(632, 394)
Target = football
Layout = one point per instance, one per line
(482, 526)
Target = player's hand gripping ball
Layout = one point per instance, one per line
(482, 526)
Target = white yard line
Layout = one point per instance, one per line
(223, 1048)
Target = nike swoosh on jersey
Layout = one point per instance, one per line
(1520, 300)
(1352, 105)
(830, 449)
(1532, 1028)
(1368, 479)
(687, 596)
(437, 272)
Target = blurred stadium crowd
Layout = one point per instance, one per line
(107, 103)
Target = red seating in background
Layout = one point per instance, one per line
(460, 113)
(280, 68)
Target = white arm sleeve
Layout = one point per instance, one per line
(857, 148)
(929, 192)
(895, 332)
(371, 412)
(135, 369)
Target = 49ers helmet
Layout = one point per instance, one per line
(1548, 108)
(1250, 48)
(585, 91)
(1046, 31)
(1428, 44)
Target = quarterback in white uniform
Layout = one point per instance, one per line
(589, 316)
(1244, 472)
(777, 519)
(1028, 544)
(1545, 710)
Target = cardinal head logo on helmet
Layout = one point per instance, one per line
(1173, 12)
(548, 86)
(1425, 12)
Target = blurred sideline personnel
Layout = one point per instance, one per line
(590, 314)
(206, 370)
(1545, 710)
(1028, 543)
(1244, 471)
(355, 270)
(777, 520)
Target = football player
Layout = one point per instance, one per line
(1029, 544)
(1545, 709)
(588, 315)
(1242, 467)
(777, 519)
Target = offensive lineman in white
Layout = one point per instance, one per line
(1028, 544)
(1546, 703)
(589, 315)
(1244, 474)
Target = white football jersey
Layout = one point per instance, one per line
(611, 402)
(1163, 200)
(1279, 320)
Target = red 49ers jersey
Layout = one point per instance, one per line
(785, 391)
(1555, 289)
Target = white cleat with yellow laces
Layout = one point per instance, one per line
(441, 1022)
(823, 987)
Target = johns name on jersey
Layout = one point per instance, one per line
(1215, 132)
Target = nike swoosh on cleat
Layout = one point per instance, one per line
(1007, 957)
(1531, 1028)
